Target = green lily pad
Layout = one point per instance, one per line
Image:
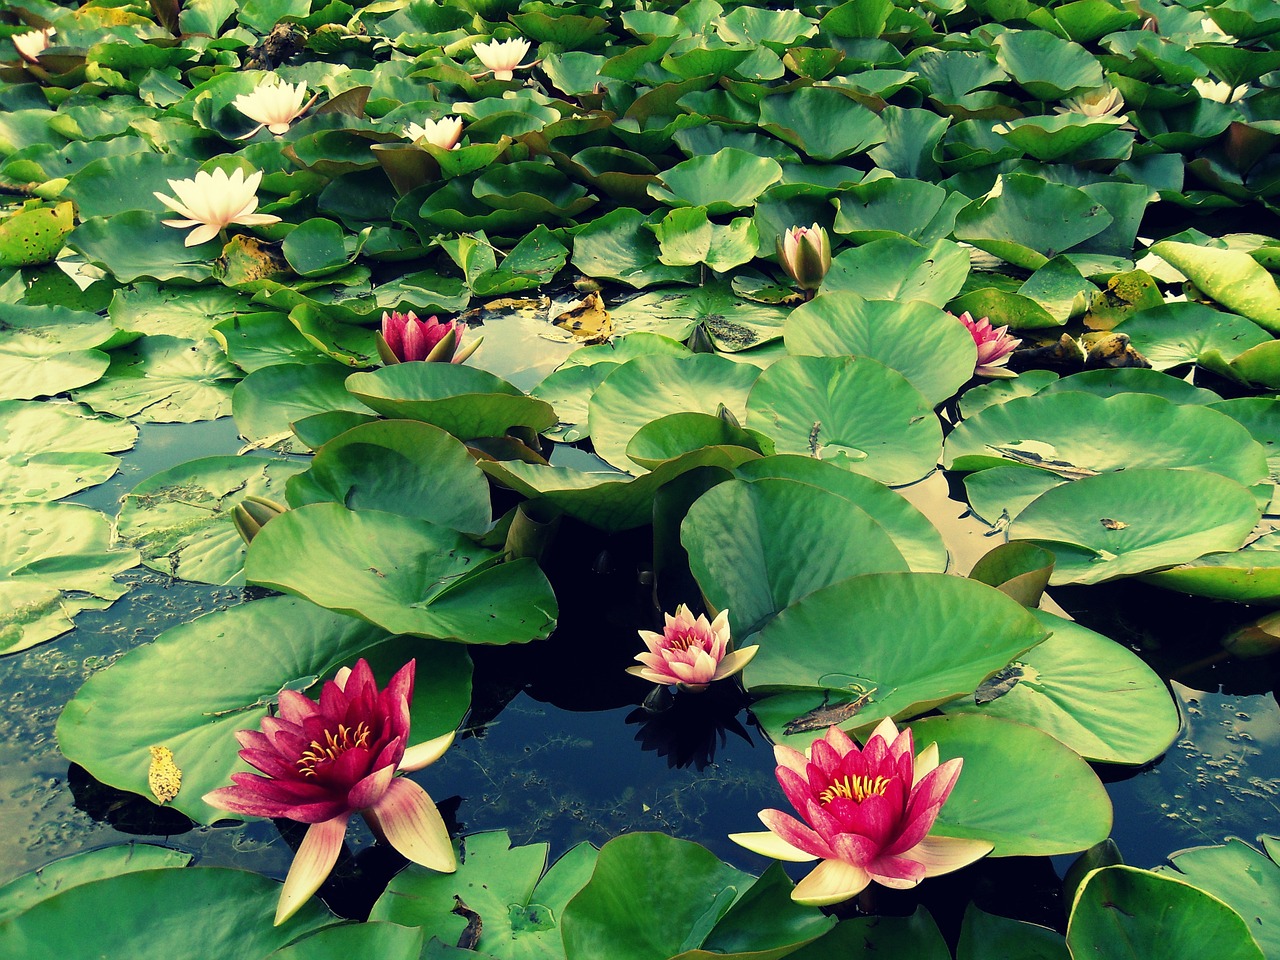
(687, 237)
(1084, 690)
(465, 401)
(916, 538)
(195, 901)
(217, 681)
(1177, 334)
(1242, 878)
(732, 323)
(1248, 575)
(180, 519)
(49, 451)
(983, 934)
(893, 207)
(854, 411)
(620, 246)
(1054, 136)
(46, 351)
(253, 341)
(998, 494)
(756, 548)
(519, 901)
(317, 247)
(135, 245)
(34, 234)
(1049, 802)
(722, 182)
(676, 434)
(866, 938)
(1045, 66)
(164, 380)
(271, 399)
(182, 312)
(822, 122)
(703, 908)
(58, 559)
(1059, 432)
(112, 185)
(406, 575)
(1231, 277)
(387, 941)
(647, 388)
(398, 466)
(26, 891)
(900, 269)
(1110, 383)
(1123, 912)
(1028, 221)
(932, 350)
(917, 641)
(1136, 521)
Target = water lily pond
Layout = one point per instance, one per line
(565, 480)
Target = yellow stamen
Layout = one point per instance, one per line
(855, 788)
(335, 744)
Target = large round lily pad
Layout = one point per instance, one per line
(1086, 691)
(755, 548)
(916, 538)
(1077, 435)
(1136, 521)
(854, 411)
(931, 349)
(164, 379)
(894, 644)
(1242, 878)
(271, 399)
(49, 451)
(406, 575)
(223, 673)
(648, 388)
(180, 519)
(44, 351)
(1248, 575)
(400, 466)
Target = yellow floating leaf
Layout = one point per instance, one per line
(587, 321)
(163, 776)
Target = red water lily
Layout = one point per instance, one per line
(994, 346)
(326, 760)
(404, 337)
(866, 815)
(690, 653)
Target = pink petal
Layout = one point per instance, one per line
(796, 834)
(311, 865)
(793, 760)
(832, 881)
(371, 789)
(409, 820)
(900, 873)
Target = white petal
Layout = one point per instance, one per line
(311, 865)
(426, 753)
(943, 854)
(926, 760)
(832, 881)
(769, 844)
(408, 818)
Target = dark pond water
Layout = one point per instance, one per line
(552, 753)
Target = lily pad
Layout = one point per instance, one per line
(1231, 277)
(58, 559)
(135, 245)
(854, 411)
(1242, 878)
(722, 182)
(650, 387)
(901, 643)
(49, 451)
(399, 466)
(271, 399)
(1181, 333)
(405, 575)
(180, 519)
(519, 901)
(217, 681)
(916, 538)
(822, 122)
(186, 313)
(1248, 575)
(732, 323)
(1122, 913)
(1059, 432)
(164, 379)
(1136, 521)
(465, 401)
(756, 548)
(44, 352)
(195, 900)
(932, 350)
(1085, 691)
(900, 269)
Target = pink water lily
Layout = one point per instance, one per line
(404, 337)
(33, 43)
(866, 815)
(994, 346)
(213, 201)
(326, 760)
(690, 653)
(502, 56)
(805, 253)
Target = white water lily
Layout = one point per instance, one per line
(444, 133)
(1105, 101)
(502, 56)
(213, 201)
(274, 104)
(30, 45)
(1221, 92)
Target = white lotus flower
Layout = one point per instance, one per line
(30, 45)
(212, 202)
(274, 104)
(1105, 101)
(1221, 92)
(503, 56)
(444, 133)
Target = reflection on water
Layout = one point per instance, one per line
(558, 748)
